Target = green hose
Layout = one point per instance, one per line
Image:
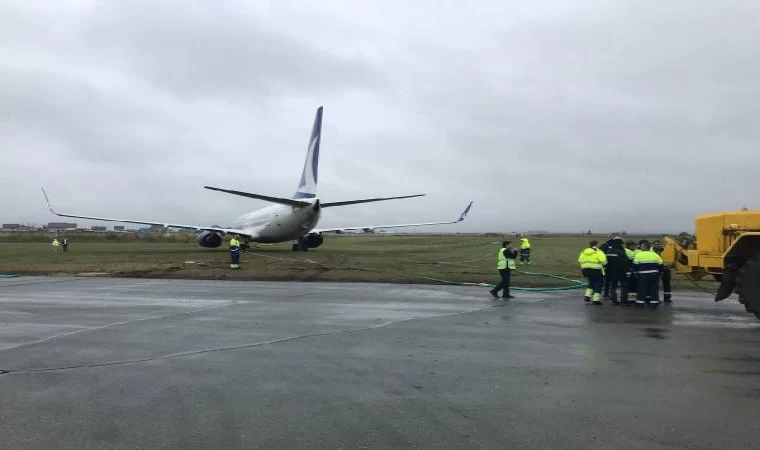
(576, 283)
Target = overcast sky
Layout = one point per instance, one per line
(556, 115)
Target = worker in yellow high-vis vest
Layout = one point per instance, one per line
(647, 266)
(592, 261)
(524, 250)
(505, 263)
(235, 251)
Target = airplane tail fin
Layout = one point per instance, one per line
(307, 188)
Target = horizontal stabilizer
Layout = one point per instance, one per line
(282, 201)
(367, 200)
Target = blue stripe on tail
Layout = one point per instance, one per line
(307, 188)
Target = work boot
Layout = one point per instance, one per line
(587, 299)
(667, 298)
(507, 295)
(494, 294)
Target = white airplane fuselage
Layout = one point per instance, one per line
(279, 223)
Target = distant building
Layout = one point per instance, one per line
(11, 226)
(118, 228)
(98, 228)
(60, 226)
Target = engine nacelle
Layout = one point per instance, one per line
(209, 239)
(313, 240)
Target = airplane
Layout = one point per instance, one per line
(289, 219)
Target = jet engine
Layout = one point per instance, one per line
(313, 240)
(209, 239)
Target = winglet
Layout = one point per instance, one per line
(464, 213)
(48, 202)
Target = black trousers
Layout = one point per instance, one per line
(235, 257)
(649, 287)
(525, 255)
(666, 283)
(614, 282)
(633, 284)
(506, 278)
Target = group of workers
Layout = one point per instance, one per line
(623, 272)
(632, 269)
(64, 243)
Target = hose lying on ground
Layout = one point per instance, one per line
(577, 284)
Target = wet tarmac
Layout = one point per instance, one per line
(135, 363)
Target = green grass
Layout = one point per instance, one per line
(377, 258)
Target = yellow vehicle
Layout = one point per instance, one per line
(726, 246)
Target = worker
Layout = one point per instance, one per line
(605, 248)
(665, 274)
(505, 263)
(631, 248)
(592, 261)
(618, 265)
(524, 250)
(65, 245)
(647, 266)
(235, 252)
(56, 244)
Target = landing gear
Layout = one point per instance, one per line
(748, 285)
(300, 246)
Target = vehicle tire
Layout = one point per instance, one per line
(296, 247)
(748, 285)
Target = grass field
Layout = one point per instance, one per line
(401, 259)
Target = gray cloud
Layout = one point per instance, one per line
(216, 50)
(599, 114)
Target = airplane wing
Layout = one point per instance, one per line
(148, 222)
(403, 225)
